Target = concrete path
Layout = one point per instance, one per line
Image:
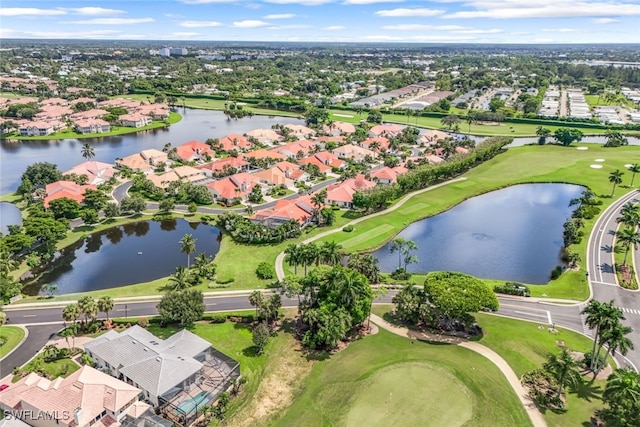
(280, 258)
(532, 411)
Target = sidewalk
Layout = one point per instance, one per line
(532, 411)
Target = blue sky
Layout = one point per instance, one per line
(438, 21)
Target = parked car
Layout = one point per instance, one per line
(4, 387)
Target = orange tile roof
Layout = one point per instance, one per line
(234, 141)
(187, 150)
(219, 165)
(273, 176)
(313, 160)
(226, 189)
(264, 154)
(68, 189)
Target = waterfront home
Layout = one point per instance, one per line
(92, 126)
(194, 151)
(97, 172)
(224, 167)
(300, 131)
(135, 120)
(387, 175)
(235, 141)
(296, 149)
(339, 128)
(68, 189)
(388, 130)
(299, 209)
(144, 161)
(264, 136)
(37, 129)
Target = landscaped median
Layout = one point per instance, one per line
(10, 337)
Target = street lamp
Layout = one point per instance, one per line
(125, 311)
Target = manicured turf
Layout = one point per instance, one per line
(12, 336)
(409, 394)
(57, 368)
(334, 392)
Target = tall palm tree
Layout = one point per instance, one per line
(623, 385)
(564, 369)
(88, 308)
(71, 312)
(180, 279)
(627, 238)
(105, 305)
(294, 256)
(318, 200)
(615, 178)
(634, 169)
(601, 317)
(629, 215)
(615, 339)
(87, 151)
(310, 255)
(188, 246)
(367, 264)
(200, 262)
(256, 299)
(330, 253)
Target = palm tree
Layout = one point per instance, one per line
(564, 369)
(87, 151)
(623, 385)
(634, 169)
(105, 305)
(201, 262)
(188, 246)
(318, 200)
(615, 178)
(256, 299)
(294, 254)
(366, 264)
(627, 237)
(403, 247)
(615, 340)
(180, 279)
(629, 215)
(88, 308)
(601, 317)
(310, 254)
(330, 253)
(543, 134)
(71, 312)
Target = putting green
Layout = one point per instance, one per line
(411, 394)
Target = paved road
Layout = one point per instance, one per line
(37, 338)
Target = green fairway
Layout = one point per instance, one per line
(411, 394)
(11, 336)
(430, 383)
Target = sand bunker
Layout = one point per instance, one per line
(596, 166)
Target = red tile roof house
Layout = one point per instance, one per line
(235, 141)
(236, 186)
(135, 120)
(330, 160)
(97, 172)
(341, 194)
(68, 189)
(264, 154)
(382, 142)
(313, 160)
(292, 171)
(224, 167)
(299, 209)
(92, 126)
(264, 136)
(389, 130)
(294, 149)
(194, 151)
(273, 177)
(387, 175)
(86, 398)
(89, 114)
(430, 137)
(353, 152)
(339, 128)
(301, 131)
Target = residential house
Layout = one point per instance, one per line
(92, 126)
(235, 141)
(53, 101)
(299, 209)
(171, 373)
(339, 128)
(353, 152)
(387, 175)
(145, 161)
(154, 157)
(85, 398)
(292, 171)
(89, 114)
(273, 177)
(155, 111)
(224, 167)
(53, 112)
(433, 159)
(237, 186)
(135, 120)
(270, 156)
(97, 172)
(68, 189)
(388, 130)
(330, 160)
(301, 131)
(264, 136)
(341, 194)
(296, 149)
(180, 173)
(382, 144)
(462, 150)
(36, 129)
(430, 137)
(194, 151)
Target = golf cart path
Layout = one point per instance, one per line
(532, 411)
(280, 258)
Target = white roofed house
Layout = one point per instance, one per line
(135, 120)
(179, 376)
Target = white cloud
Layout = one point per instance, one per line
(371, 1)
(301, 2)
(91, 34)
(399, 13)
(287, 27)
(206, 1)
(96, 11)
(559, 30)
(424, 27)
(605, 21)
(511, 9)
(250, 23)
(200, 24)
(183, 35)
(30, 11)
(478, 31)
(280, 16)
(335, 28)
(420, 38)
(112, 21)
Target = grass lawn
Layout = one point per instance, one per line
(413, 383)
(11, 336)
(549, 163)
(52, 370)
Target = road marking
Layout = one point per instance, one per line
(30, 315)
(549, 317)
(604, 283)
(630, 310)
(530, 314)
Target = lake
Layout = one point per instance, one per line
(9, 215)
(124, 255)
(195, 124)
(511, 234)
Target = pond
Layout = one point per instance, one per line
(124, 255)
(195, 124)
(510, 234)
(9, 215)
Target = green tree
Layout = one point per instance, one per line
(634, 169)
(328, 216)
(615, 178)
(88, 308)
(403, 247)
(182, 307)
(261, 335)
(615, 138)
(188, 246)
(450, 121)
(330, 253)
(622, 395)
(366, 264)
(134, 204)
(566, 136)
(40, 174)
(167, 205)
(256, 299)
(600, 317)
(615, 339)
(255, 196)
(294, 256)
(543, 134)
(628, 238)
(563, 369)
(105, 305)
(95, 199)
(180, 279)
(65, 208)
(87, 151)
(71, 312)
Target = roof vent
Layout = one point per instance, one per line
(157, 359)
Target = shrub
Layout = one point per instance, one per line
(143, 322)
(587, 360)
(225, 281)
(400, 274)
(265, 271)
(218, 318)
(347, 228)
(513, 288)
(556, 272)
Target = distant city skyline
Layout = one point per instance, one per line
(403, 21)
